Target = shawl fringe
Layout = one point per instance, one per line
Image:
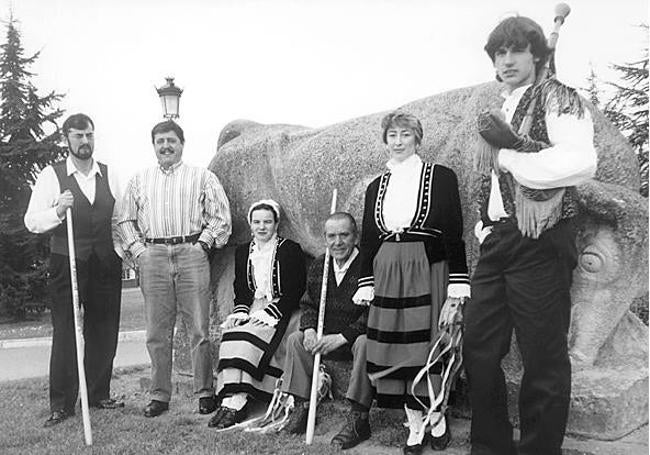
(557, 97)
(534, 216)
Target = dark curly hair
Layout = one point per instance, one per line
(518, 32)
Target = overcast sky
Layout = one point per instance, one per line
(308, 62)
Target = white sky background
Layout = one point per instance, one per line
(308, 62)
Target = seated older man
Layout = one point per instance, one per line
(344, 333)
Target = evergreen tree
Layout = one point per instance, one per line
(592, 90)
(25, 148)
(628, 108)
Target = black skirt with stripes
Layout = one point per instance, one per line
(251, 358)
(403, 319)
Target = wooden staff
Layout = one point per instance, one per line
(78, 336)
(311, 415)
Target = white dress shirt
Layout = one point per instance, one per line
(571, 159)
(41, 214)
(339, 272)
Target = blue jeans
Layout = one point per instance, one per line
(176, 278)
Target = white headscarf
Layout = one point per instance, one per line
(274, 205)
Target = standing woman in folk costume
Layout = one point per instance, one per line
(413, 260)
(269, 282)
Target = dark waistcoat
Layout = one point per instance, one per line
(537, 132)
(91, 222)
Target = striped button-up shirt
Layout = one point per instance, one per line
(183, 200)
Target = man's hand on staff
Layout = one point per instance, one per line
(309, 339)
(325, 345)
(65, 202)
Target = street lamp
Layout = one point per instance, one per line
(170, 96)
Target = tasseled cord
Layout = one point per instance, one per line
(485, 157)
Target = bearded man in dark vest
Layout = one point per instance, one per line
(85, 186)
(523, 277)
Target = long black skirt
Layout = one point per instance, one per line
(403, 319)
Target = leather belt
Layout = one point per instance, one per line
(173, 240)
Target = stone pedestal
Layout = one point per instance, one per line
(608, 403)
(609, 399)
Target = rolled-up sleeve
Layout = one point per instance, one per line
(216, 213)
(129, 231)
(41, 214)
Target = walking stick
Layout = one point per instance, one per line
(78, 338)
(311, 415)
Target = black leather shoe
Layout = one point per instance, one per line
(207, 405)
(441, 442)
(298, 419)
(416, 449)
(413, 450)
(214, 420)
(155, 408)
(227, 417)
(108, 403)
(355, 431)
(57, 417)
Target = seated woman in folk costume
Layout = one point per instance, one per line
(269, 282)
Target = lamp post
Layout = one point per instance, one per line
(170, 96)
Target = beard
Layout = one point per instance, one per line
(84, 152)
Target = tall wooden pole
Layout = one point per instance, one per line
(311, 416)
(78, 335)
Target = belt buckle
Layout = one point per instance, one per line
(176, 240)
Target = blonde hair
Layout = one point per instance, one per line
(405, 120)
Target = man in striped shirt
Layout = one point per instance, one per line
(173, 215)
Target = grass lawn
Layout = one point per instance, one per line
(182, 430)
(131, 318)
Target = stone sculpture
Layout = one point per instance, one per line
(300, 166)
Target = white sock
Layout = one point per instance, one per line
(439, 429)
(236, 401)
(416, 426)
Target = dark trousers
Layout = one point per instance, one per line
(100, 293)
(523, 284)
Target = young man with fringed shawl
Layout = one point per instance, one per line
(523, 277)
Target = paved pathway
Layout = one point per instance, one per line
(28, 358)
